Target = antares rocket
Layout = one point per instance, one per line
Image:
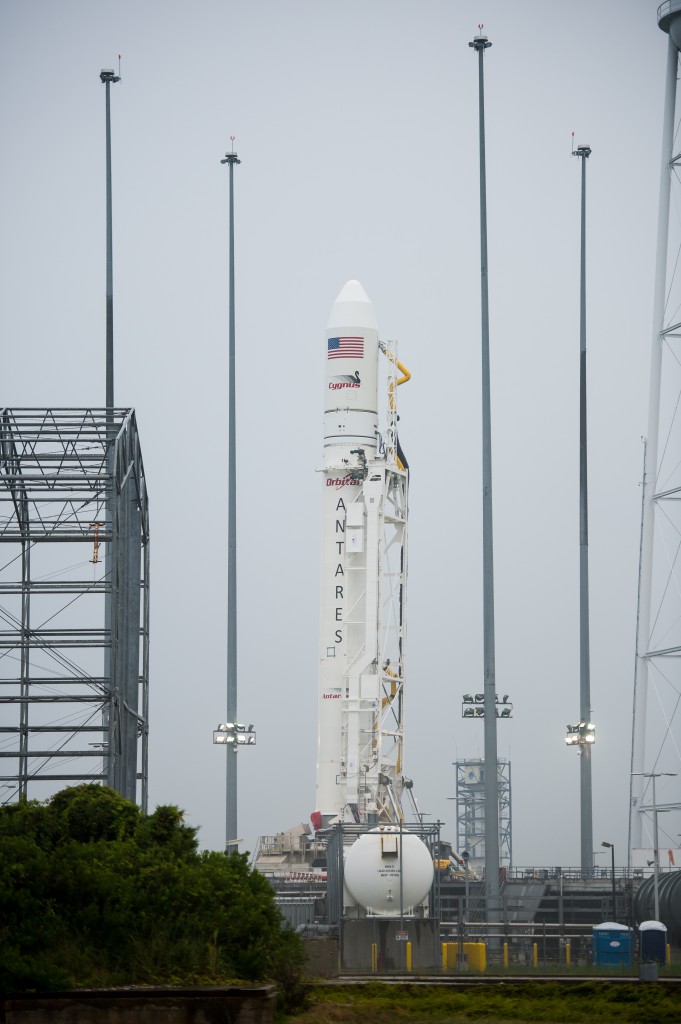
(362, 642)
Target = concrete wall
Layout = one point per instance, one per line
(232, 1005)
(322, 957)
(359, 935)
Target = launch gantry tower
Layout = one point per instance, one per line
(74, 640)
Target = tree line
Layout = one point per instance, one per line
(93, 893)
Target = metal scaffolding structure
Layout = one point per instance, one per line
(470, 811)
(656, 730)
(71, 482)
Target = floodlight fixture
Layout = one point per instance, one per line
(580, 734)
(234, 734)
(478, 709)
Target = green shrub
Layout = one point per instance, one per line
(92, 892)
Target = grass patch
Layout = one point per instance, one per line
(592, 1002)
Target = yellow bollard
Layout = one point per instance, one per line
(445, 946)
(506, 954)
(535, 956)
(374, 957)
(567, 953)
(408, 951)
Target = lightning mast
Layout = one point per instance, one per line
(656, 732)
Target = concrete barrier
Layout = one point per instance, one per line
(229, 1005)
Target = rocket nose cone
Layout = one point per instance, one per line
(352, 291)
(352, 308)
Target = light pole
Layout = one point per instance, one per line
(586, 823)
(231, 782)
(656, 851)
(481, 43)
(611, 847)
(107, 77)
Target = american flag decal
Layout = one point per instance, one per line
(345, 348)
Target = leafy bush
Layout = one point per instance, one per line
(92, 892)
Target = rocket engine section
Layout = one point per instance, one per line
(362, 629)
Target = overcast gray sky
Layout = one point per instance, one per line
(356, 124)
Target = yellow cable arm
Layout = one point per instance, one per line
(406, 376)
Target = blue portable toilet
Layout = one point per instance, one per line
(652, 941)
(613, 944)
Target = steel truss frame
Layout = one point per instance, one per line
(373, 702)
(74, 650)
(372, 721)
(470, 810)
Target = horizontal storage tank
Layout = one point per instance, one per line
(669, 892)
(375, 864)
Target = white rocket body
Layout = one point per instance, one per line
(355, 693)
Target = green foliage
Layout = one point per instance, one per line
(593, 1002)
(288, 971)
(92, 892)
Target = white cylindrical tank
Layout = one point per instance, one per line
(373, 867)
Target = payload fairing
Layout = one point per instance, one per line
(363, 586)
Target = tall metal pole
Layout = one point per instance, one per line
(586, 814)
(480, 44)
(107, 76)
(231, 841)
